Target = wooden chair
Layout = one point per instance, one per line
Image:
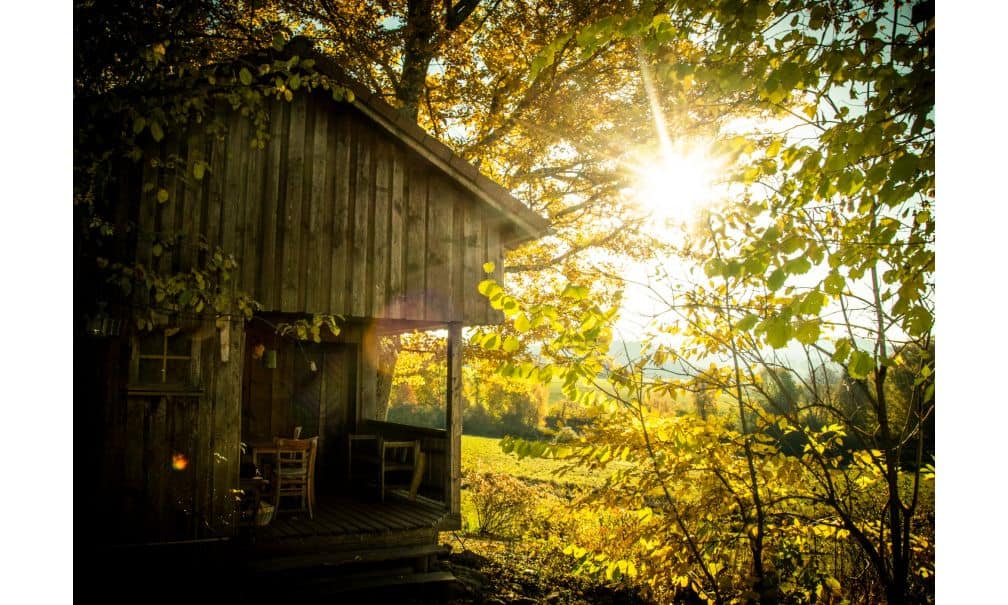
(387, 457)
(294, 474)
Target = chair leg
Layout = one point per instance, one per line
(418, 470)
(311, 501)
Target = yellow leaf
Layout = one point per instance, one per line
(833, 585)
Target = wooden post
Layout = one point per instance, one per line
(453, 411)
(367, 369)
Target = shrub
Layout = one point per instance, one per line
(501, 503)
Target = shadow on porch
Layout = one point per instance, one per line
(350, 545)
(355, 521)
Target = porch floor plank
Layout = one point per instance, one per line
(347, 517)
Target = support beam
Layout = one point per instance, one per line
(367, 376)
(453, 412)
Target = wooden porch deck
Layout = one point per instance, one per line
(357, 522)
(349, 544)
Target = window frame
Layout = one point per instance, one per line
(186, 384)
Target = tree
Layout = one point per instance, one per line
(827, 245)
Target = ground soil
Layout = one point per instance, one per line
(490, 572)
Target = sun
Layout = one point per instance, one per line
(676, 183)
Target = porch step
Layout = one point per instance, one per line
(381, 579)
(369, 581)
(347, 557)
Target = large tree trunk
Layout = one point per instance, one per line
(418, 50)
(388, 355)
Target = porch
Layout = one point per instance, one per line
(354, 521)
(352, 544)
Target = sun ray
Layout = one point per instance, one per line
(680, 178)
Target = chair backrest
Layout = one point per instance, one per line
(296, 457)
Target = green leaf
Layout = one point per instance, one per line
(199, 168)
(860, 365)
(812, 303)
(833, 284)
(139, 124)
(746, 323)
(714, 267)
(162, 195)
(774, 148)
(510, 344)
(510, 307)
(904, 168)
(776, 279)
(575, 292)
(797, 266)
(489, 267)
(807, 332)
(522, 323)
(156, 132)
(245, 76)
(486, 286)
(778, 332)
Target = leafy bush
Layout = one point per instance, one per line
(502, 503)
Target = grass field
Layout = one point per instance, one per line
(484, 453)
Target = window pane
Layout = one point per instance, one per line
(150, 371)
(177, 371)
(152, 344)
(178, 344)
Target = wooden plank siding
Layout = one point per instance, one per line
(171, 458)
(332, 216)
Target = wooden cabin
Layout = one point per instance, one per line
(349, 210)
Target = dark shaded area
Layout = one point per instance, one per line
(215, 571)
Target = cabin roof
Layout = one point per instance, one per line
(528, 224)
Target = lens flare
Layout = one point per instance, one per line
(675, 184)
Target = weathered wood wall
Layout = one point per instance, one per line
(170, 459)
(333, 216)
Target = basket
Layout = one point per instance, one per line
(264, 515)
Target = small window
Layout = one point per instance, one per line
(164, 358)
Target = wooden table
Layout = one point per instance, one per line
(260, 451)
